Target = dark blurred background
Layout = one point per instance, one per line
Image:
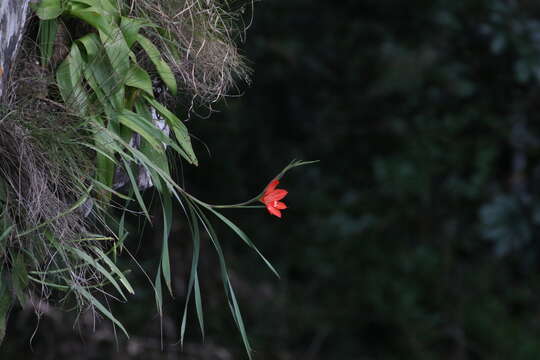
(415, 237)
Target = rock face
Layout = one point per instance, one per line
(13, 15)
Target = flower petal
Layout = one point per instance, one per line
(275, 195)
(271, 187)
(273, 211)
(279, 205)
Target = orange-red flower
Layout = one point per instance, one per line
(271, 198)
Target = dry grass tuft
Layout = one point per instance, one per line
(199, 39)
(44, 172)
(40, 193)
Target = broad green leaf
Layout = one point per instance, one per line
(145, 128)
(93, 16)
(139, 78)
(68, 78)
(162, 67)
(117, 50)
(106, 6)
(103, 81)
(180, 130)
(105, 76)
(48, 9)
(47, 34)
(130, 28)
(91, 45)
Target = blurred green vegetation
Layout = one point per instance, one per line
(416, 237)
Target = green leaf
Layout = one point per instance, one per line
(138, 78)
(162, 67)
(47, 35)
(93, 16)
(180, 130)
(158, 158)
(105, 163)
(114, 269)
(92, 262)
(68, 78)
(145, 128)
(100, 76)
(135, 188)
(95, 302)
(111, 190)
(117, 50)
(48, 9)
(5, 302)
(167, 224)
(19, 278)
(198, 305)
(91, 45)
(4, 235)
(244, 237)
(106, 6)
(229, 291)
(158, 292)
(193, 279)
(130, 28)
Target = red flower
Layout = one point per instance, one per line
(271, 198)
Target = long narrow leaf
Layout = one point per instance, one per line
(95, 302)
(114, 269)
(180, 130)
(162, 67)
(92, 262)
(193, 278)
(135, 188)
(167, 223)
(244, 237)
(229, 291)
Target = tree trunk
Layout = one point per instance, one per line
(13, 15)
